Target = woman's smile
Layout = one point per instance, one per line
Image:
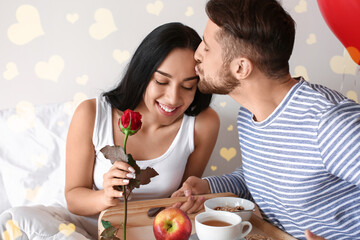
(167, 110)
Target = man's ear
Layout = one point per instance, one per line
(241, 68)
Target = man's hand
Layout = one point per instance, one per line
(310, 236)
(193, 185)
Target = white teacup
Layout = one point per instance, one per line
(220, 225)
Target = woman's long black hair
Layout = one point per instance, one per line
(147, 58)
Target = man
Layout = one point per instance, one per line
(300, 142)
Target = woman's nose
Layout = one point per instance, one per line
(173, 95)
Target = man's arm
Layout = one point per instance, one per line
(233, 182)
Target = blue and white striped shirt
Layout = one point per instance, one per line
(302, 164)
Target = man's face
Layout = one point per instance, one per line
(215, 75)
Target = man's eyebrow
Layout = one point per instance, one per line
(170, 76)
(204, 41)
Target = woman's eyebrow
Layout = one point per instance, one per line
(170, 76)
(192, 78)
(164, 73)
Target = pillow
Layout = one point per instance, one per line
(32, 154)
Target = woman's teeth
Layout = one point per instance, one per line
(165, 108)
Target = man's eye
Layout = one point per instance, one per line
(187, 88)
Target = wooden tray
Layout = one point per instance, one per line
(139, 225)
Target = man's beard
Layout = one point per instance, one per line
(223, 84)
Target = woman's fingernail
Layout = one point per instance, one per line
(131, 169)
(187, 193)
(125, 180)
(130, 175)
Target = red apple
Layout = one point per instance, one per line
(172, 224)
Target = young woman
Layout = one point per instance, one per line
(177, 136)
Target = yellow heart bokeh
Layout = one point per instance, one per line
(189, 11)
(223, 104)
(12, 231)
(228, 154)
(104, 24)
(230, 128)
(50, 70)
(66, 229)
(155, 8)
(11, 71)
(302, 71)
(343, 64)
(301, 7)
(213, 168)
(121, 56)
(352, 95)
(27, 27)
(72, 17)
(311, 39)
(31, 194)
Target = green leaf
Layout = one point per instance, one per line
(142, 176)
(133, 163)
(109, 232)
(106, 224)
(116, 153)
(110, 238)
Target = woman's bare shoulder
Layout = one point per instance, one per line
(208, 117)
(84, 116)
(207, 124)
(86, 107)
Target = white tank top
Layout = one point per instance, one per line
(170, 166)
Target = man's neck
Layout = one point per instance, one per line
(261, 95)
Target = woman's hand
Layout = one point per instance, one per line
(118, 175)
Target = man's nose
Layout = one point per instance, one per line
(197, 55)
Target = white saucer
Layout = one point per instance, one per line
(194, 237)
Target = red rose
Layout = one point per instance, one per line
(130, 122)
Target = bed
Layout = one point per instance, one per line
(32, 165)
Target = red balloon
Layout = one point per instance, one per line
(343, 18)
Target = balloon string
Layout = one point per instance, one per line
(357, 74)
(343, 79)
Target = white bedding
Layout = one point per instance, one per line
(32, 162)
(32, 154)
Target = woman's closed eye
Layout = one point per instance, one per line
(186, 87)
(160, 82)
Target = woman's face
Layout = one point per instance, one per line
(172, 87)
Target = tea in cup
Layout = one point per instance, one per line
(220, 225)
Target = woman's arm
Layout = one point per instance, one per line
(80, 159)
(206, 132)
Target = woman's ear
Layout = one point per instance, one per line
(241, 68)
